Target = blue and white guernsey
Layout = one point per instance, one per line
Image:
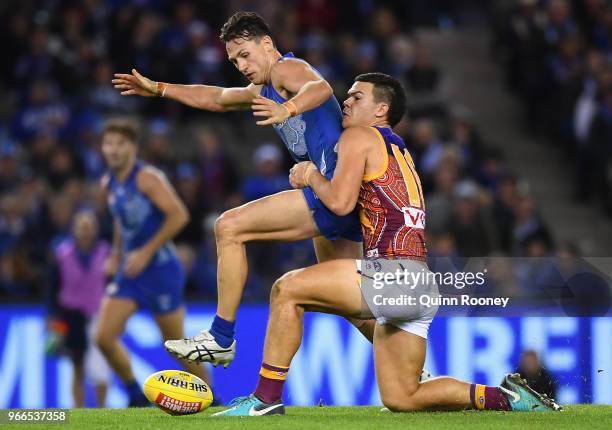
(311, 135)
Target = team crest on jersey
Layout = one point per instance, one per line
(293, 133)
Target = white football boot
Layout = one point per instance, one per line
(201, 348)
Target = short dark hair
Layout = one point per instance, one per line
(244, 25)
(389, 90)
(123, 126)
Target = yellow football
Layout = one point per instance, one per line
(177, 392)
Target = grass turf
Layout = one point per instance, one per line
(589, 417)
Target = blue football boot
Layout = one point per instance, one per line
(251, 406)
(524, 398)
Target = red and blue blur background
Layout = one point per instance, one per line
(510, 125)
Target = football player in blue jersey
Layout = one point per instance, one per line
(291, 95)
(147, 272)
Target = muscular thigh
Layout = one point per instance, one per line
(326, 249)
(282, 216)
(331, 287)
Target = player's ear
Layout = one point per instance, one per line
(382, 109)
(268, 43)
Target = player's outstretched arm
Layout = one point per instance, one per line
(206, 97)
(339, 194)
(308, 89)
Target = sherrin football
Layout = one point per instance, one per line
(177, 392)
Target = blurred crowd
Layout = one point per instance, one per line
(558, 60)
(57, 94)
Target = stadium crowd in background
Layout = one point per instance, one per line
(57, 85)
(557, 57)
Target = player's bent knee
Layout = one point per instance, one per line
(284, 288)
(228, 224)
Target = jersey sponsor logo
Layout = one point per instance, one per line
(372, 253)
(414, 218)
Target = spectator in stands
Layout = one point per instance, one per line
(268, 177)
(188, 187)
(219, 176)
(468, 225)
(529, 228)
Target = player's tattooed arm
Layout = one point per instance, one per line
(304, 88)
(152, 183)
(206, 97)
(339, 194)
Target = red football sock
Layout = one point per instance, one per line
(271, 380)
(491, 398)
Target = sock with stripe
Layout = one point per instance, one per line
(488, 398)
(223, 331)
(271, 380)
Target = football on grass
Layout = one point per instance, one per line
(177, 392)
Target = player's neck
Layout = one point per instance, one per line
(381, 123)
(125, 171)
(274, 57)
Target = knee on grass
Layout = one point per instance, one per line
(397, 404)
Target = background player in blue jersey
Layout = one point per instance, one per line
(148, 274)
(288, 93)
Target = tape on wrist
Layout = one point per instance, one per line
(160, 89)
(291, 108)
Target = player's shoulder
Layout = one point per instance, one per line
(358, 139)
(289, 67)
(360, 133)
(149, 177)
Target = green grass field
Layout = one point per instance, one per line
(574, 417)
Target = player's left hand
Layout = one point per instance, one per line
(299, 173)
(136, 261)
(275, 113)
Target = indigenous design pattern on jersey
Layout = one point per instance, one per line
(293, 133)
(391, 205)
(311, 135)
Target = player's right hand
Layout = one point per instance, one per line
(135, 84)
(300, 172)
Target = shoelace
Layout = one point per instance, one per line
(199, 337)
(239, 400)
